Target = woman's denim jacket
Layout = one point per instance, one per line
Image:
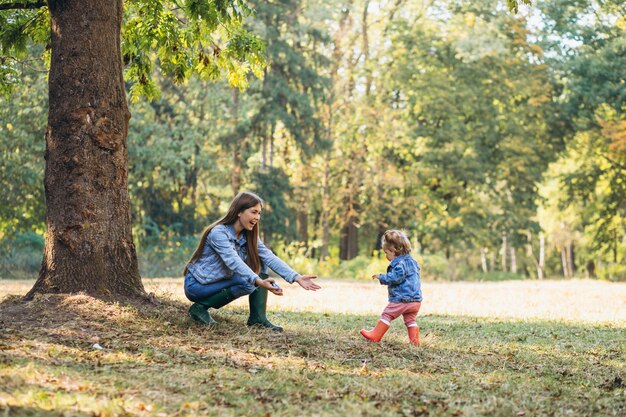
(403, 280)
(223, 256)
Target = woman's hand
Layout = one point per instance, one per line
(306, 283)
(376, 276)
(270, 285)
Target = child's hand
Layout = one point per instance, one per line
(375, 276)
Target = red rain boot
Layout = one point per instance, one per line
(376, 333)
(414, 335)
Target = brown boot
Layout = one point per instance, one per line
(376, 333)
(414, 335)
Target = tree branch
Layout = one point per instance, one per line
(37, 4)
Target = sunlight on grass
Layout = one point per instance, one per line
(156, 362)
(577, 300)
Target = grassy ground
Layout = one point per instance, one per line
(155, 361)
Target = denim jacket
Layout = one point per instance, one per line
(403, 280)
(224, 255)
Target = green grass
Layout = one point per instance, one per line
(157, 362)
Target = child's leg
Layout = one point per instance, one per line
(409, 315)
(392, 311)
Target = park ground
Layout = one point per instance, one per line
(517, 348)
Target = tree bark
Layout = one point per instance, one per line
(89, 245)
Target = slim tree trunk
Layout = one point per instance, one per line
(570, 259)
(264, 151)
(89, 245)
(542, 257)
(366, 49)
(271, 145)
(483, 260)
(503, 252)
(513, 260)
(566, 272)
(235, 173)
(530, 253)
(325, 209)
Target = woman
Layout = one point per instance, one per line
(231, 261)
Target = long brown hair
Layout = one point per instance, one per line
(241, 202)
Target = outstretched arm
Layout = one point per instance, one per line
(306, 283)
(276, 264)
(393, 277)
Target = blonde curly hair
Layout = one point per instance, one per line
(396, 241)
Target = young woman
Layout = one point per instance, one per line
(231, 261)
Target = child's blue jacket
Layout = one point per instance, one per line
(403, 280)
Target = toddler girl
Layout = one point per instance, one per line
(403, 284)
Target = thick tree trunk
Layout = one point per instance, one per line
(378, 244)
(348, 242)
(89, 246)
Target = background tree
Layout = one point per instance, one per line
(89, 245)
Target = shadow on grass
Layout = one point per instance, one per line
(112, 349)
(14, 411)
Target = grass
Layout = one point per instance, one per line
(156, 362)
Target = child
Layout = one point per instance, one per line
(403, 282)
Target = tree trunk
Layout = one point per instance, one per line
(483, 260)
(539, 263)
(366, 50)
(503, 252)
(264, 152)
(325, 209)
(349, 244)
(570, 259)
(89, 245)
(353, 239)
(513, 260)
(303, 225)
(235, 173)
(566, 272)
(591, 269)
(378, 244)
(542, 257)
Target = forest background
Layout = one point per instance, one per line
(496, 140)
